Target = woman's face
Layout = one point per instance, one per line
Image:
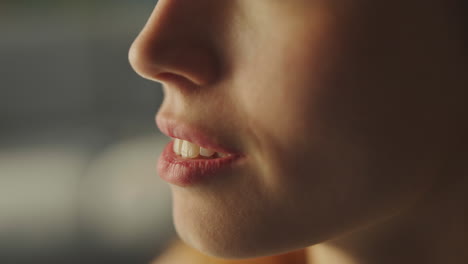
(341, 109)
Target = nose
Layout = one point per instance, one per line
(176, 44)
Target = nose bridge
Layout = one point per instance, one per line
(177, 42)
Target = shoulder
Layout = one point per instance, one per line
(179, 253)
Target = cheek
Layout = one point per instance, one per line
(328, 125)
(279, 87)
(281, 103)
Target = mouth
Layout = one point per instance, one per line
(192, 157)
(189, 150)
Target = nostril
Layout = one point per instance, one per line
(176, 80)
(168, 77)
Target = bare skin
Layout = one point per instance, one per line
(352, 117)
(434, 232)
(178, 252)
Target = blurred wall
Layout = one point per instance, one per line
(67, 67)
(78, 142)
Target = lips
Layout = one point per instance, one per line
(188, 171)
(183, 131)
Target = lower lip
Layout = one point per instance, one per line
(188, 172)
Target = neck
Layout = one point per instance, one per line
(435, 231)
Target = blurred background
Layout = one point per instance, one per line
(78, 143)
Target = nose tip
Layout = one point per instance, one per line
(182, 59)
(178, 41)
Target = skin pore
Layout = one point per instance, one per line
(351, 116)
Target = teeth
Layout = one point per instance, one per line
(189, 150)
(222, 155)
(206, 152)
(176, 146)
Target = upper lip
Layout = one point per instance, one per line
(176, 129)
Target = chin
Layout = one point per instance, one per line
(222, 223)
(214, 239)
(236, 238)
